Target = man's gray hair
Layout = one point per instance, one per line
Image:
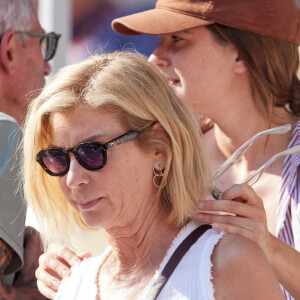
(17, 15)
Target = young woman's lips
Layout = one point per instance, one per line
(173, 81)
(89, 204)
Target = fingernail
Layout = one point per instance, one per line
(201, 205)
(55, 284)
(76, 262)
(216, 225)
(64, 273)
(200, 216)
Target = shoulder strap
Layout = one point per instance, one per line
(175, 259)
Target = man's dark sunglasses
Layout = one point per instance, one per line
(49, 42)
(91, 155)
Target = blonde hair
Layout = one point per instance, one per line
(129, 84)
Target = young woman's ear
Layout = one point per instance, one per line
(239, 65)
(7, 51)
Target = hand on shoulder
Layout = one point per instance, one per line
(247, 216)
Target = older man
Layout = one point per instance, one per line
(25, 50)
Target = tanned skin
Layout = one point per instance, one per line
(24, 290)
(6, 255)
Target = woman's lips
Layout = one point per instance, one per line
(89, 204)
(173, 81)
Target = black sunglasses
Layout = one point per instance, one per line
(49, 42)
(91, 155)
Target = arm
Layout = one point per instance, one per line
(24, 292)
(241, 271)
(6, 254)
(25, 281)
(53, 266)
(250, 221)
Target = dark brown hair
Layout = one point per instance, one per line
(272, 65)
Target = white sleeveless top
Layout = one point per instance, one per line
(190, 280)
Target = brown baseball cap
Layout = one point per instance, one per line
(278, 19)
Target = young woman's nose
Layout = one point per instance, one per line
(160, 57)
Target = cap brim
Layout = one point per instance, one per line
(156, 22)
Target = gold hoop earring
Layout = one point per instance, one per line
(158, 171)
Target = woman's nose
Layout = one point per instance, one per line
(160, 57)
(77, 174)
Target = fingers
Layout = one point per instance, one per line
(49, 274)
(30, 232)
(84, 255)
(64, 255)
(232, 224)
(243, 201)
(46, 290)
(244, 215)
(54, 266)
(250, 234)
(243, 193)
(232, 207)
(249, 228)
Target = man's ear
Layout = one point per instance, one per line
(7, 51)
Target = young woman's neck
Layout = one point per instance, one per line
(234, 131)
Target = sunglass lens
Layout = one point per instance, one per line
(44, 47)
(55, 161)
(91, 155)
(48, 46)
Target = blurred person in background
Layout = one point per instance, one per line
(24, 53)
(92, 32)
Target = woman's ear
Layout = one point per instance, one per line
(239, 65)
(159, 131)
(7, 51)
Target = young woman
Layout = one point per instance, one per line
(236, 62)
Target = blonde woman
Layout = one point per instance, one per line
(114, 148)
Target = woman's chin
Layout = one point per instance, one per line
(93, 222)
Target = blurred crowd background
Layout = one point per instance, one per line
(92, 30)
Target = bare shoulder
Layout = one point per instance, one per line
(233, 248)
(241, 270)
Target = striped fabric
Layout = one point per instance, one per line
(288, 211)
